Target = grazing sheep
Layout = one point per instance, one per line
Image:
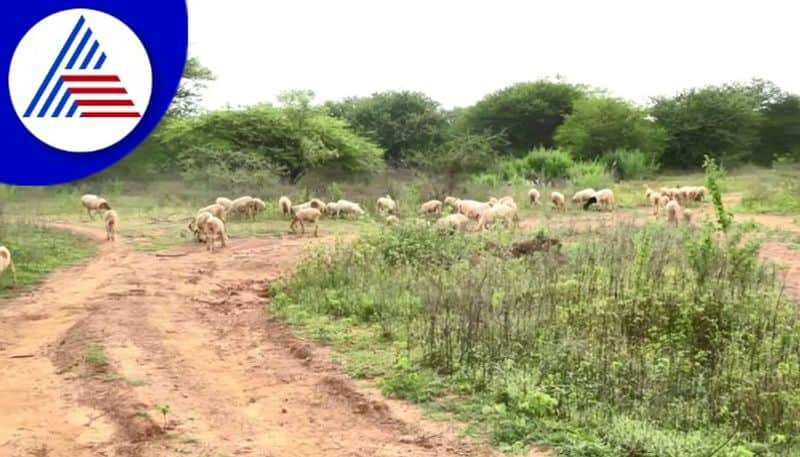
(197, 225)
(673, 209)
(473, 209)
(94, 203)
(112, 221)
(452, 222)
(582, 196)
(431, 207)
(226, 202)
(687, 216)
(499, 212)
(305, 215)
(257, 205)
(660, 202)
(392, 220)
(533, 197)
(217, 210)
(694, 193)
(242, 205)
(348, 207)
(332, 209)
(285, 204)
(557, 198)
(451, 202)
(214, 228)
(6, 262)
(650, 195)
(387, 204)
(315, 203)
(604, 199)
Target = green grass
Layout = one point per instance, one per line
(38, 250)
(637, 341)
(95, 355)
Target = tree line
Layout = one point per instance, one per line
(752, 122)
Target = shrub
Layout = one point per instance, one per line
(630, 164)
(539, 164)
(589, 174)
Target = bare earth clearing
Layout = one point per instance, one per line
(188, 329)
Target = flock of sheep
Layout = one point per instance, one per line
(208, 224)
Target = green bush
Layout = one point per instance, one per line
(630, 164)
(544, 164)
(684, 331)
(589, 174)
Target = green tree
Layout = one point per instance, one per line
(528, 113)
(722, 122)
(459, 157)
(294, 139)
(599, 125)
(780, 131)
(189, 94)
(403, 123)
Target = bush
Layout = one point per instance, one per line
(630, 164)
(589, 174)
(539, 164)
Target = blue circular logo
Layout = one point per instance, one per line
(87, 82)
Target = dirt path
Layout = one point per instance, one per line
(101, 344)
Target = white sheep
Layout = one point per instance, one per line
(94, 203)
(451, 202)
(582, 196)
(558, 200)
(387, 204)
(217, 210)
(6, 262)
(348, 207)
(242, 205)
(507, 200)
(473, 209)
(285, 205)
(500, 212)
(533, 197)
(431, 207)
(214, 228)
(605, 199)
(450, 222)
(332, 209)
(197, 225)
(226, 202)
(392, 220)
(315, 203)
(257, 205)
(112, 222)
(687, 216)
(305, 215)
(673, 209)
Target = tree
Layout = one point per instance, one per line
(780, 131)
(599, 125)
(189, 94)
(721, 122)
(528, 114)
(460, 156)
(294, 139)
(403, 123)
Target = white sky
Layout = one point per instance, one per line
(456, 51)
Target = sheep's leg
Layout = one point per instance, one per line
(316, 228)
(302, 228)
(223, 237)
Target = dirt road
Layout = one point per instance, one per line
(90, 353)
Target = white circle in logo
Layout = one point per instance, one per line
(80, 80)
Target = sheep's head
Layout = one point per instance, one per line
(317, 203)
(104, 205)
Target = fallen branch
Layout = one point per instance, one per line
(172, 255)
(22, 356)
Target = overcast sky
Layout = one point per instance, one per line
(458, 51)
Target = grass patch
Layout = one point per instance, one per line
(95, 355)
(38, 250)
(632, 341)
